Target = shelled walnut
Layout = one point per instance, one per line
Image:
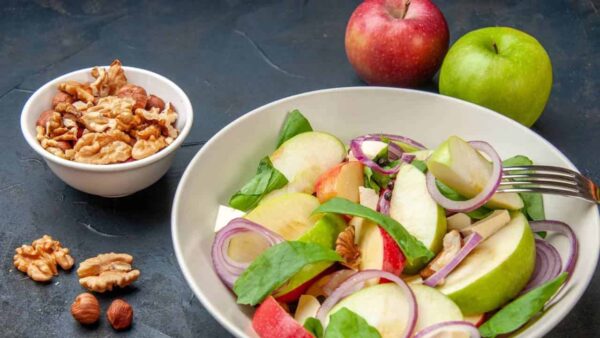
(40, 259)
(107, 104)
(105, 271)
(347, 249)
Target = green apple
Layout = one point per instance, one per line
(458, 165)
(324, 232)
(304, 157)
(495, 271)
(500, 68)
(385, 307)
(412, 206)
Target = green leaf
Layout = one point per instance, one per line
(412, 248)
(295, 123)
(521, 310)
(369, 180)
(313, 325)
(533, 202)
(421, 165)
(274, 266)
(479, 213)
(267, 179)
(347, 324)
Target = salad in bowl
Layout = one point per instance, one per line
(387, 237)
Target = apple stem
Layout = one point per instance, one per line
(495, 47)
(406, 4)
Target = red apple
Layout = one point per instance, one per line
(476, 320)
(272, 321)
(342, 180)
(294, 294)
(396, 42)
(378, 250)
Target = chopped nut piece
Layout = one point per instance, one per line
(458, 221)
(106, 271)
(103, 148)
(347, 249)
(489, 225)
(451, 246)
(144, 148)
(78, 90)
(100, 85)
(116, 77)
(39, 259)
(155, 102)
(61, 98)
(165, 119)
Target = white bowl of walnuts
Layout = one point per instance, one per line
(108, 131)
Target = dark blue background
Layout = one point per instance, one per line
(230, 57)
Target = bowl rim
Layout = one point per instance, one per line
(539, 331)
(33, 142)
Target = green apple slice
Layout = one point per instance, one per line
(385, 307)
(412, 206)
(304, 157)
(458, 165)
(496, 271)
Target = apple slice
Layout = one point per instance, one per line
(378, 250)
(412, 206)
(324, 232)
(308, 306)
(272, 321)
(343, 180)
(305, 157)
(385, 307)
(476, 320)
(462, 168)
(495, 271)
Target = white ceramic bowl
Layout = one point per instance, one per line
(231, 156)
(113, 180)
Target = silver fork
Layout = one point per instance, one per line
(549, 180)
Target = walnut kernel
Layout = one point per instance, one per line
(105, 271)
(40, 259)
(347, 249)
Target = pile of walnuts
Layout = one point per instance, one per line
(106, 121)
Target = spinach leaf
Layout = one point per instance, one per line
(295, 123)
(267, 179)
(534, 203)
(479, 213)
(369, 180)
(347, 324)
(421, 165)
(412, 248)
(274, 266)
(313, 325)
(521, 310)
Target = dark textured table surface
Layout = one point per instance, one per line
(229, 56)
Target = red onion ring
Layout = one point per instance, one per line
(393, 149)
(481, 198)
(565, 230)
(361, 277)
(227, 269)
(547, 264)
(432, 330)
(470, 243)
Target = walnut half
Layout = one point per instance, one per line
(39, 260)
(345, 247)
(105, 271)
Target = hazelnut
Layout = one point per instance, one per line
(61, 97)
(86, 309)
(135, 92)
(155, 102)
(119, 314)
(44, 116)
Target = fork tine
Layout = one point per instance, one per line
(544, 168)
(542, 182)
(545, 191)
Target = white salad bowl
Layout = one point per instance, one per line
(112, 180)
(229, 159)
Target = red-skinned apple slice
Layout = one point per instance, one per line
(272, 321)
(476, 320)
(342, 180)
(378, 250)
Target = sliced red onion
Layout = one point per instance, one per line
(435, 329)
(383, 205)
(565, 230)
(547, 264)
(228, 269)
(360, 277)
(470, 243)
(394, 151)
(481, 198)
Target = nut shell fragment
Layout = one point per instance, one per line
(105, 271)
